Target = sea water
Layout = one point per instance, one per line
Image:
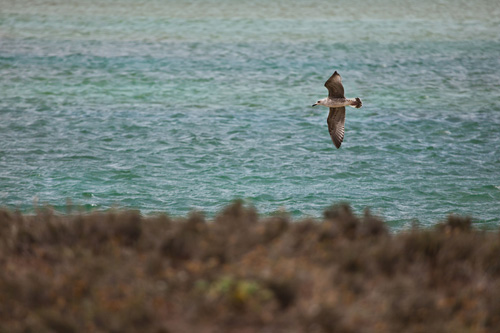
(173, 106)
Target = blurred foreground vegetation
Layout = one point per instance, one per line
(122, 272)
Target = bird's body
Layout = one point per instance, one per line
(337, 102)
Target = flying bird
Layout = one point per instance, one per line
(337, 102)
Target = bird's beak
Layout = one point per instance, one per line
(314, 104)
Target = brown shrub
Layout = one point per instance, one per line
(123, 272)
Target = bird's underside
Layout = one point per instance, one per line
(336, 117)
(337, 101)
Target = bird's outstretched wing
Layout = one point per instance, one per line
(334, 86)
(336, 121)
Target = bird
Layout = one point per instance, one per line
(337, 102)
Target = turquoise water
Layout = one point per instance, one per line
(179, 105)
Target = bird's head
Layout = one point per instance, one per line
(320, 102)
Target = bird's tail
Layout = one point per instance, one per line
(357, 104)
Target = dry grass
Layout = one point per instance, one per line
(121, 272)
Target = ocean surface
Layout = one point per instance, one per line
(173, 106)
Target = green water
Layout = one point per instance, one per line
(179, 105)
